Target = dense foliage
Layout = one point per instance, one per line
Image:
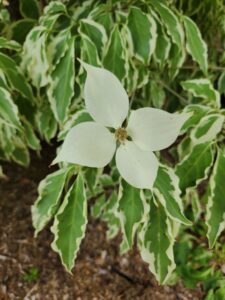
(158, 50)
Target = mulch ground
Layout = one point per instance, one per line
(100, 272)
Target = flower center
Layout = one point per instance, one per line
(121, 134)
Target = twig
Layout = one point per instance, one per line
(182, 99)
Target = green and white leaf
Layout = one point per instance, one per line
(132, 210)
(49, 193)
(196, 46)
(156, 243)
(142, 35)
(70, 224)
(215, 211)
(96, 33)
(34, 56)
(171, 22)
(7, 44)
(207, 129)
(61, 88)
(166, 191)
(195, 165)
(89, 52)
(202, 88)
(115, 56)
(8, 110)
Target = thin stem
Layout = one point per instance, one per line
(182, 99)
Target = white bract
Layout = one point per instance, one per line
(92, 144)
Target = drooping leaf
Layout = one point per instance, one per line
(9, 44)
(15, 77)
(61, 87)
(167, 192)
(195, 165)
(70, 224)
(30, 136)
(157, 242)
(215, 213)
(142, 31)
(49, 192)
(195, 44)
(132, 208)
(8, 110)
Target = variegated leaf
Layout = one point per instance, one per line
(34, 57)
(195, 165)
(195, 44)
(61, 87)
(167, 192)
(202, 88)
(8, 110)
(49, 192)
(70, 224)
(132, 209)
(115, 58)
(96, 33)
(215, 212)
(156, 243)
(207, 129)
(89, 52)
(141, 30)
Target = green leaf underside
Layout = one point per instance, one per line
(166, 189)
(215, 213)
(195, 166)
(70, 224)
(157, 244)
(49, 190)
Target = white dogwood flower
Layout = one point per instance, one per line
(92, 144)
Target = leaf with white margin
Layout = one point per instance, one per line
(215, 210)
(167, 192)
(57, 47)
(138, 167)
(16, 79)
(197, 112)
(202, 88)
(34, 56)
(89, 51)
(8, 109)
(154, 129)
(30, 136)
(49, 193)
(61, 89)
(207, 129)
(221, 83)
(105, 98)
(195, 165)
(196, 46)
(170, 20)
(115, 57)
(156, 243)
(9, 44)
(88, 144)
(163, 45)
(142, 30)
(70, 224)
(96, 33)
(110, 216)
(176, 59)
(131, 210)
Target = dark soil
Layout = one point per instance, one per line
(100, 273)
